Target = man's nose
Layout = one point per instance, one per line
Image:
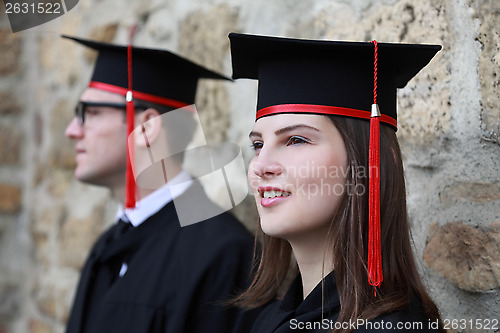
(74, 130)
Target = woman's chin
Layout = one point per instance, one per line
(273, 228)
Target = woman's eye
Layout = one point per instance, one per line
(257, 145)
(295, 140)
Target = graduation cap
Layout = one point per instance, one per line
(151, 75)
(353, 79)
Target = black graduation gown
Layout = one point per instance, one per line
(176, 282)
(293, 314)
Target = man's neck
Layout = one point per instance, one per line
(118, 192)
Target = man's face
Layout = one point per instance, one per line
(101, 142)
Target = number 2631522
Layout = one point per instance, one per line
(33, 8)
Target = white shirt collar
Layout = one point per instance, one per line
(151, 204)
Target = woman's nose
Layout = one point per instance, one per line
(265, 165)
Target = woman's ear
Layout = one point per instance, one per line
(151, 126)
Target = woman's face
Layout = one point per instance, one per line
(298, 174)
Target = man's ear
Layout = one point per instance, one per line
(151, 126)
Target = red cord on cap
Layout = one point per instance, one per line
(129, 180)
(375, 275)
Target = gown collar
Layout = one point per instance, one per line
(324, 297)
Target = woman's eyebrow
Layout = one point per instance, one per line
(257, 134)
(284, 130)
(294, 127)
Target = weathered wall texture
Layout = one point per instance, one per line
(449, 119)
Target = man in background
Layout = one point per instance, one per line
(147, 273)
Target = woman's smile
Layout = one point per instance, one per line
(271, 195)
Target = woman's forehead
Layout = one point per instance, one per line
(282, 120)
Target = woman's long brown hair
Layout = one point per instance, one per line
(348, 238)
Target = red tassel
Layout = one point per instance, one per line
(129, 180)
(375, 274)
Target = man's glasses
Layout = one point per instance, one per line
(81, 108)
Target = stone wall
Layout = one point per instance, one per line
(449, 131)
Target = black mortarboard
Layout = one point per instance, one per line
(158, 76)
(352, 79)
(326, 73)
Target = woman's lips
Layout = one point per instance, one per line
(271, 196)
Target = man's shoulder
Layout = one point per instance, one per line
(221, 229)
(217, 232)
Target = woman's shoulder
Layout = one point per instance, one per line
(265, 320)
(411, 318)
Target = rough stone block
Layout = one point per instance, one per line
(423, 106)
(39, 174)
(9, 300)
(59, 182)
(10, 145)
(41, 244)
(64, 70)
(105, 33)
(11, 199)
(10, 303)
(44, 223)
(47, 305)
(467, 256)
(200, 41)
(471, 191)
(51, 300)
(489, 67)
(49, 219)
(39, 326)
(9, 105)
(62, 151)
(10, 52)
(78, 235)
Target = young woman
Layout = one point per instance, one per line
(328, 180)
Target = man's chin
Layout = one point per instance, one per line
(86, 178)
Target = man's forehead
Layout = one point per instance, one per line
(98, 95)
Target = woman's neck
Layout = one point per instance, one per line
(313, 261)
